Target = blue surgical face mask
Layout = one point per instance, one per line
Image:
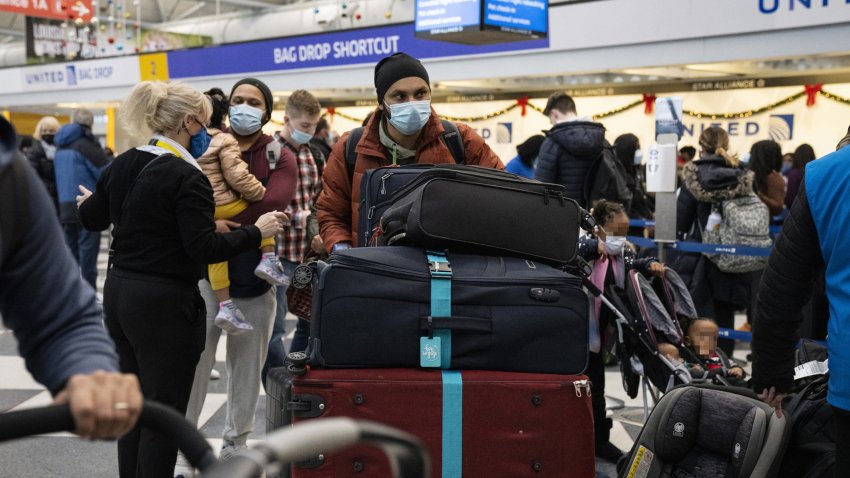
(245, 120)
(299, 136)
(638, 157)
(410, 117)
(200, 143)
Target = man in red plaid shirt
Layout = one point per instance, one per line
(301, 116)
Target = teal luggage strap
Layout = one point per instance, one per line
(452, 443)
(441, 306)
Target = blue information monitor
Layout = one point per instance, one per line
(530, 17)
(482, 21)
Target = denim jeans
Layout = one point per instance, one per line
(277, 351)
(84, 245)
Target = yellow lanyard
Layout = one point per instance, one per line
(163, 144)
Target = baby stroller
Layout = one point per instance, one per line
(647, 313)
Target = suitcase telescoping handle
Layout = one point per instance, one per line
(58, 418)
(408, 457)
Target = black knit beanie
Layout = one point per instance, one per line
(394, 68)
(264, 89)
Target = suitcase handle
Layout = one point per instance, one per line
(474, 324)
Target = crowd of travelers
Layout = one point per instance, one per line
(210, 216)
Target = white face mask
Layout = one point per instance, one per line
(638, 157)
(614, 245)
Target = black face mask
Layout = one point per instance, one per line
(48, 138)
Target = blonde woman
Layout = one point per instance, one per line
(42, 153)
(161, 206)
(710, 179)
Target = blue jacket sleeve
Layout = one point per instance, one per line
(51, 310)
(588, 248)
(546, 167)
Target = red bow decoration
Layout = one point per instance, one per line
(523, 104)
(649, 103)
(812, 93)
(331, 112)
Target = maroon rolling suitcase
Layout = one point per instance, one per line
(474, 423)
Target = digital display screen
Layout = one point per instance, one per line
(447, 16)
(517, 15)
(481, 22)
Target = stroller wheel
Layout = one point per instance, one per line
(631, 380)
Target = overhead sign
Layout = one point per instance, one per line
(447, 16)
(480, 22)
(525, 16)
(352, 47)
(55, 9)
(121, 71)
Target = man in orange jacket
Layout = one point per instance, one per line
(404, 129)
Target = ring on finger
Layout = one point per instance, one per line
(121, 406)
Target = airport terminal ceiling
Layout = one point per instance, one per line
(760, 73)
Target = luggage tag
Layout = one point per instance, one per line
(429, 352)
(429, 349)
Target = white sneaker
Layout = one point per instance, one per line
(227, 452)
(215, 374)
(183, 469)
(270, 270)
(231, 320)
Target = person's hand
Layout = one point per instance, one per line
(736, 372)
(772, 398)
(271, 223)
(656, 269)
(84, 194)
(105, 405)
(697, 370)
(317, 244)
(223, 225)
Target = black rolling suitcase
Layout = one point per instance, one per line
(483, 210)
(375, 307)
(376, 191)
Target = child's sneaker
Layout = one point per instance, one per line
(271, 271)
(230, 319)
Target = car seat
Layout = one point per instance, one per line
(709, 432)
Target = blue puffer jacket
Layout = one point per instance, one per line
(567, 154)
(79, 161)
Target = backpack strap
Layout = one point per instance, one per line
(454, 141)
(273, 154)
(14, 199)
(350, 153)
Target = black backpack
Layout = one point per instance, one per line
(451, 138)
(606, 180)
(811, 450)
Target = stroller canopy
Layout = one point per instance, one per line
(681, 296)
(652, 309)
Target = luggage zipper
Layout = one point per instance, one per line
(581, 384)
(397, 272)
(451, 174)
(383, 186)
